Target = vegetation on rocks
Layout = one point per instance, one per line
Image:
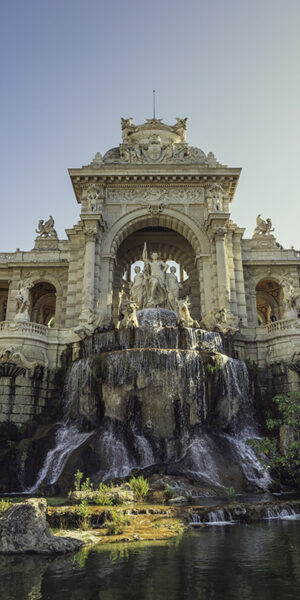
(140, 486)
(280, 450)
(115, 523)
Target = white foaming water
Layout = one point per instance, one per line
(242, 422)
(213, 339)
(67, 439)
(199, 459)
(220, 517)
(282, 514)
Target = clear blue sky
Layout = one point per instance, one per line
(71, 68)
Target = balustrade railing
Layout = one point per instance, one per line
(26, 327)
(282, 325)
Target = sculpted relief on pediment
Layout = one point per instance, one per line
(156, 196)
(154, 151)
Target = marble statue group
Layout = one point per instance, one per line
(153, 287)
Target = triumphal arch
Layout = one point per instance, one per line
(153, 191)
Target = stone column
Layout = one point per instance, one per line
(239, 275)
(106, 294)
(233, 303)
(88, 299)
(222, 268)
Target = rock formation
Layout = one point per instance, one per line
(24, 529)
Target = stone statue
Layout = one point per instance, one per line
(129, 320)
(219, 319)
(215, 199)
(262, 227)
(94, 198)
(155, 270)
(138, 288)
(290, 298)
(173, 287)
(46, 229)
(23, 300)
(184, 318)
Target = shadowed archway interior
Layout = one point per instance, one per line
(169, 245)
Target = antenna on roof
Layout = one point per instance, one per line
(153, 104)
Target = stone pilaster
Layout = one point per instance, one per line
(239, 275)
(88, 291)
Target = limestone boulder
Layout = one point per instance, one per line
(24, 529)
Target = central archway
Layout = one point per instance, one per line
(122, 244)
(170, 246)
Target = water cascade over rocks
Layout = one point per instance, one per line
(159, 398)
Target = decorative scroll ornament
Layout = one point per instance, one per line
(90, 231)
(156, 209)
(14, 363)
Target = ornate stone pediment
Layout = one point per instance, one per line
(155, 142)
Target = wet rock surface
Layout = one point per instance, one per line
(24, 529)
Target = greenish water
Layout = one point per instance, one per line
(259, 562)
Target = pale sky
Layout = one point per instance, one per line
(71, 68)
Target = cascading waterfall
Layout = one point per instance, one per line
(220, 517)
(152, 391)
(282, 514)
(68, 436)
(242, 422)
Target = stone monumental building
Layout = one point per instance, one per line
(154, 188)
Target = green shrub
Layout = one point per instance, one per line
(168, 493)
(83, 511)
(77, 480)
(87, 485)
(116, 522)
(284, 465)
(4, 505)
(104, 497)
(230, 491)
(140, 486)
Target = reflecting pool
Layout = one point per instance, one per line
(240, 562)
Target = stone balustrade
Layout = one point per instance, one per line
(31, 328)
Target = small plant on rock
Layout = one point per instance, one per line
(4, 505)
(116, 522)
(83, 511)
(104, 497)
(140, 486)
(168, 493)
(231, 495)
(77, 480)
(87, 485)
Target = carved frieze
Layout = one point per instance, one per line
(158, 195)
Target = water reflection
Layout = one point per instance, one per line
(241, 563)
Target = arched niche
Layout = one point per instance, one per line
(43, 303)
(170, 246)
(269, 295)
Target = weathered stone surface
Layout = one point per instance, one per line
(23, 528)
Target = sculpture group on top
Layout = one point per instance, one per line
(154, 287)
